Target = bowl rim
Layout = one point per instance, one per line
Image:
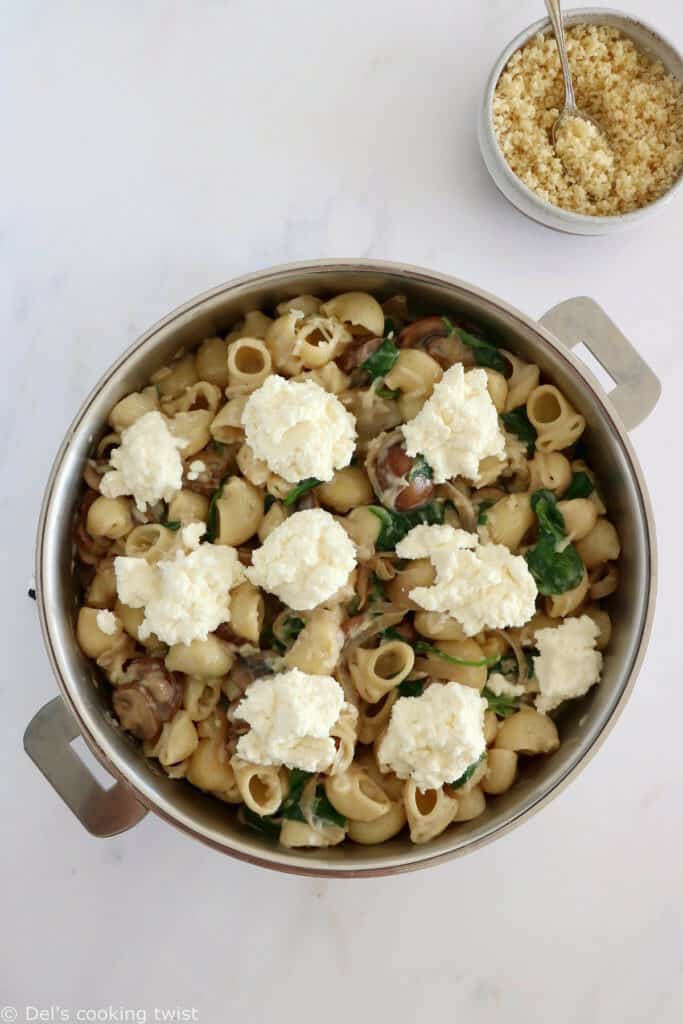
(544, 208)
(303, 863)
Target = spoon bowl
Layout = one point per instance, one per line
(590, 160)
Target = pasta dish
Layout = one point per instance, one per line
(343, 567)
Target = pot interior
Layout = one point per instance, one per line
(580, 723)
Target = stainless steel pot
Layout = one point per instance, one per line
(83, 707)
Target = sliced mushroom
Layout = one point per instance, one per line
(90, 549)
(217, 462)
(389, 467)
(136, 711)
(165, 688)
(357, 352)
(433, 335)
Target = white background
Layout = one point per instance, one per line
(150, 151)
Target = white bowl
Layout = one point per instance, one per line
(512, 187)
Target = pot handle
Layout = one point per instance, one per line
(47, 741)
(583, 320)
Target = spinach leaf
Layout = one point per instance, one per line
(376, 592)
(422, 647)
(381, 361)
(174, 525)
(291, 629)
(268, 502)
(554, 563)
(517, 422)
(302, 488)
(269, 642)
(411, 688)
(290, 808)
(388, 393)
(503, 706)
(467, 774)
(389, 326)
(321, 806)
(265, 825)
(218, 447)
(508, 667)
(212, 516)
(580, 486)
(323, 809)
(421, 467)
(485, 353)
(550, 519)
(395, 525)
(484, 506)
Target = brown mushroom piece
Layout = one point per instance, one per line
(136, 711)
(90, 549)
(432, 334)
(218, 462)
(149, 696)
(391, 473)
(355, 354)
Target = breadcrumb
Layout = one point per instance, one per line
(635, 100)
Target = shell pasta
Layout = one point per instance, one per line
(358, 615)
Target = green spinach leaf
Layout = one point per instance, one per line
(423, 647)
(420, 467)
(553, 562)
(395, 525)
(518, 422)
(387, 393)
(302, 488)
(290, 808)
(321, 806)
(411, 688)
(265, 825)
(291, 629)
(323, 809)
(467, 774)
(174, 525)
(376, 592)
(482, 517)
(503, 706)
(381, 361)
(580, 486)
(484, 352)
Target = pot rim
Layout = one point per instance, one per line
(305, 864)
(542, 209)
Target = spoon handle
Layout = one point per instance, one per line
(556, 20)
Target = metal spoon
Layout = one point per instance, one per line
(570, 108)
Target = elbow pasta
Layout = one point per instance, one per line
(182, 701)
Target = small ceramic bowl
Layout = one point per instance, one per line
(512, 187)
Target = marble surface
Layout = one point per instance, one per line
(152, 150)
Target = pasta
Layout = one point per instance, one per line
(538, 498)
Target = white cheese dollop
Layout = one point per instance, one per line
(147, 464)
(502, 687)
(481, 585)
(291, 715)
(305, 560)
(195, 470)
(184, 598)
(298, 429)
(434, 738)
(457, 427)
(107, 622)
(568, 663)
